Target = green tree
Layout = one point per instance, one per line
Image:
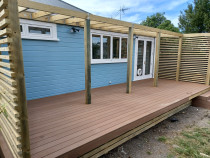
(196, 18)
(158, 20)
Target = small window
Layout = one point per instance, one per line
(124, 48)
(38, 30)
(116, 48)
(108, 47)
(96, 47)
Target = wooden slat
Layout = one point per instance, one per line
(10, 88)
(3, 14)
(6, 57)
(129, 63)
(21, 9)
(5, 32)
(4, 23)
(7, 65)
(6, 40)
(5, 49)
(7, 72)
(3, 4)
(8, 80)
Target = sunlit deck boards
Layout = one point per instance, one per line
(65, 125)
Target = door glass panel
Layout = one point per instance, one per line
(148, 57)
(140, 58)
(106, 47)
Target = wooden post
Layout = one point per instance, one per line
(17, 55)
(130, 57)
(157, 53)
(208, 72)
(179, 59)
(87, 61)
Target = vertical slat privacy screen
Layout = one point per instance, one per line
(194, 58)
(12, 84)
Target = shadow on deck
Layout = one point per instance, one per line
(64, 126)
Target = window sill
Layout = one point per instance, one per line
(43, 39)
(113, 61)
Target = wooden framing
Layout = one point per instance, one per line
(179, 59)
(130, 56)
(157, 52)
(16, 46)
(87, 61)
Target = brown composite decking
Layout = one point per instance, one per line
(64, 125)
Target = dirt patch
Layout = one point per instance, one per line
(151, 143)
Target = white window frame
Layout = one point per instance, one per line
(111, 35)
(27, 35)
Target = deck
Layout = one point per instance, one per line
(64, 126)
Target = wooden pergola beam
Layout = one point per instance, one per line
(157, 54)
(130, 57)
(179, 59)
(67, 12)
(39, 14)
(87, 61)
(58, 17)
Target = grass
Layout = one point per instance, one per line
(162, 139)
(193, 143)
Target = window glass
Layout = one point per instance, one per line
(21, 28)
(106, 47)
(148, 57)
(96, 44)
(39, 30)
(124, 48)
(116, 46)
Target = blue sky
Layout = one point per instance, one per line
(139, 9)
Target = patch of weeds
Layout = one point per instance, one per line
(149, 152)
(162, 139)
(193, 143)
(170, 156)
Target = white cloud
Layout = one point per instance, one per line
(108, 8)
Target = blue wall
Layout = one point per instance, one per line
(57, 67)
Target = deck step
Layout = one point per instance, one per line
(202, 101)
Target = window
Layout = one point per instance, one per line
(108, 47)
(38, 30)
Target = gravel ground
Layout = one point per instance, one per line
(146, 145)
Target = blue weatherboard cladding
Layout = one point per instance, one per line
(57, 67)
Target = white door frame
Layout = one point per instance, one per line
(151, 75)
